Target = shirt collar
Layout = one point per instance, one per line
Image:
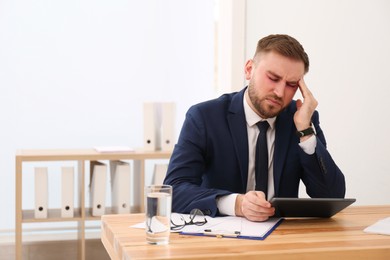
(252, 118)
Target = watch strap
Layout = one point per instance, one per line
(306, 132)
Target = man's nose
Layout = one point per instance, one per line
(279, 89)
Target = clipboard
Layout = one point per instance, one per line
(234, 227)
(228, 227)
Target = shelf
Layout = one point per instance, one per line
(88, 155)
(83, 213)
(54, 215)
(108, 211)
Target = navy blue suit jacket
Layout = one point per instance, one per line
(211, 157)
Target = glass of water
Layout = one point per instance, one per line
(158, 204)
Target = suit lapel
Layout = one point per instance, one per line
(283, 126)
(237, 124)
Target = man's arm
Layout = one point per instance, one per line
(321, 176)
(187, 166)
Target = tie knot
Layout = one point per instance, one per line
(262, 125)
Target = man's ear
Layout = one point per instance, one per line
(248, 69)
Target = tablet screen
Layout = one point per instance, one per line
(309, 207)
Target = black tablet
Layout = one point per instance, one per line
(309, 207)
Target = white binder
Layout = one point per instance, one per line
(151, 127)
(67, 192)
(98, 177)
(160, 171)
(168, 126)
(120, 187)
(41, 192)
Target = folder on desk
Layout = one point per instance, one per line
(98, 177)
(41, 192)
(120, 186)
(232, 227)
(159, 173)
(67, 192)
(152, 126)
(168, 113)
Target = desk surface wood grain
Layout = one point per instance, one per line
(339, 237)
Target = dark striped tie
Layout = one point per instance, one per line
(261, 163)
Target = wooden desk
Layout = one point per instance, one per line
(340, 237)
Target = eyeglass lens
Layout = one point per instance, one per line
(196, 217)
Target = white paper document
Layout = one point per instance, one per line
(380, 227)
(236, 227)
(233, 226)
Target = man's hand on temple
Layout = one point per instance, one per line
(305, 109)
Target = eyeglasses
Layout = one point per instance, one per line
(196, 217)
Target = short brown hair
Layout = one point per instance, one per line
(284, 45)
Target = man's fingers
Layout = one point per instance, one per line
(309, 102)
(306, 93)
(260, 215)
(299, 104)
(255, 207)
(258, 198)
(303, 88)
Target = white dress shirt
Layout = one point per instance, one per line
(226, 204)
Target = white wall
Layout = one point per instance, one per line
(74, 74)
(348, 45)
(230, 44)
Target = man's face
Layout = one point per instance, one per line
(273, 81)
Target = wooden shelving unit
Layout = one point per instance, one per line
(82, 214)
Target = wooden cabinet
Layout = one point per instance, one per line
(81, 157)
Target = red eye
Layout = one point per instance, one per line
(292, 85)
(273, 79)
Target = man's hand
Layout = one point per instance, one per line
(305, 109)
(254, 206)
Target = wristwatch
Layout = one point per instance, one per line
(306, 132)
